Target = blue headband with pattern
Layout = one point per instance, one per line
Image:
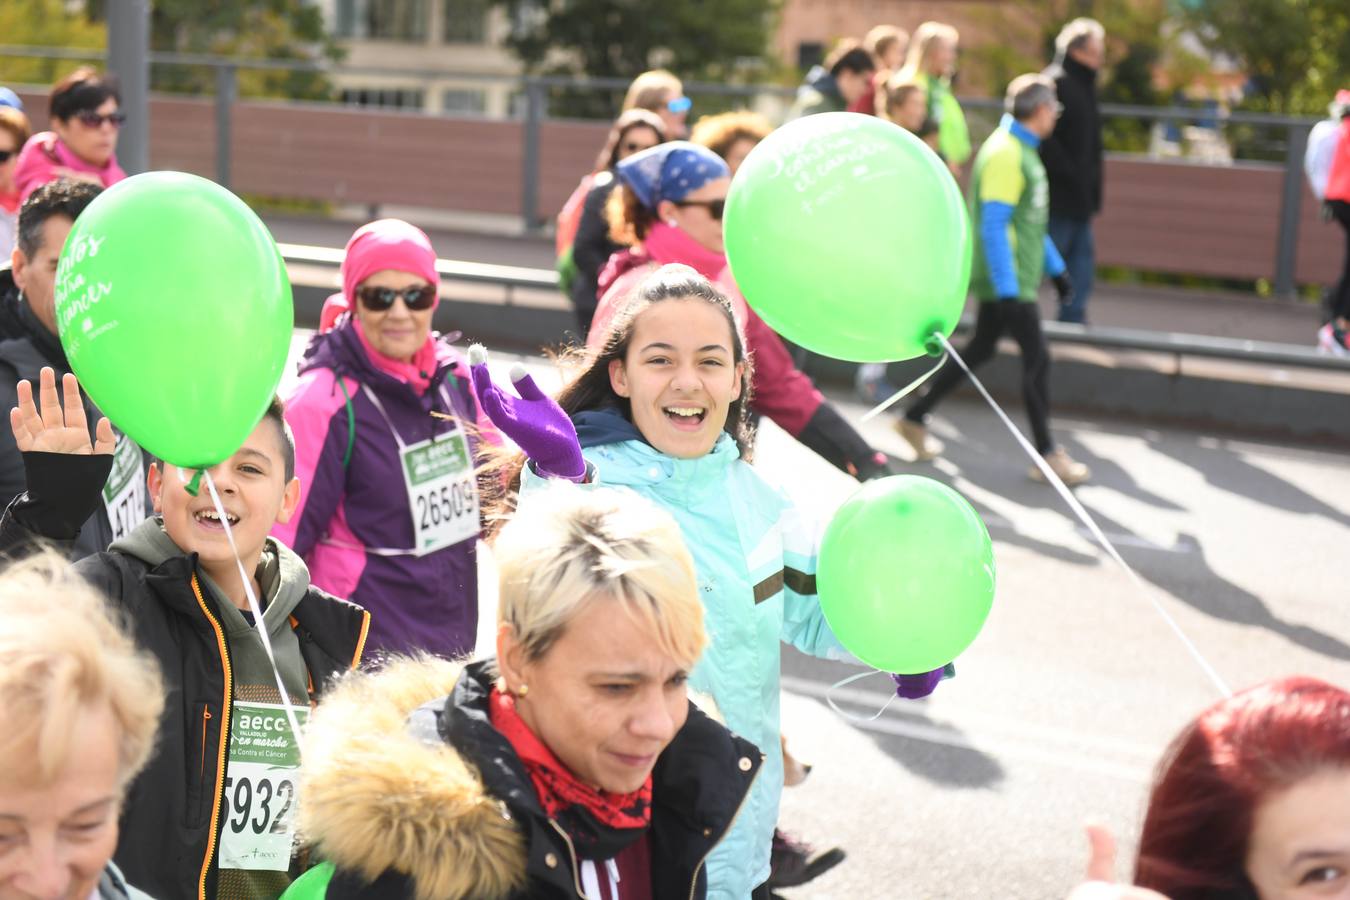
(670, 171)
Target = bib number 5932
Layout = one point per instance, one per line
(259, 804)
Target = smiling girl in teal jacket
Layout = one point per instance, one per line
(661, 410)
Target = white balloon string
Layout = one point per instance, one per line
(1088, 521)
(907, 389)
(829, 697)
(257, 611)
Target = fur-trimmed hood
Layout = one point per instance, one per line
(375, 796)
(401, 778)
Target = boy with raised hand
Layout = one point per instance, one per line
(212, 815)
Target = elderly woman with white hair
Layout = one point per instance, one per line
(571, 765)
(78, 721)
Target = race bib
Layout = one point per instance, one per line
(442, 492)
(124, 491)
(258, 813)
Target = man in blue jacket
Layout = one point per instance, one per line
(1009, 206)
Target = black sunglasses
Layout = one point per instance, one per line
(6, 154)
(94, 120)
(714, 207)
(379, 299)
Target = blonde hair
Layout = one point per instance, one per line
(882, 37)
(16, 123)
(568, 547)
(721, 132)
(648, 90)
(926, 37)
(895, 92)
(61, 652)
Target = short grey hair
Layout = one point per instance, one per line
(1026, 93)
(1077, 33)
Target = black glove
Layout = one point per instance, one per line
(1063, 286)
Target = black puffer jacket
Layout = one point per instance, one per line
(441, 802)
(1073, 153)
(25, 347)
(170, 825)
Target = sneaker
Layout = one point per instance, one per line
(1069, 470)
(916, 435)
(1333, 340)
(791, 862)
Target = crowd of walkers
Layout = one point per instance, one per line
(347, 736)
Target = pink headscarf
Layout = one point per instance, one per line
(389, 244)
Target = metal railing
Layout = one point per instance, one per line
(1176, 344)
(535, 93)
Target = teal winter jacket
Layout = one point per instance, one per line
(756, 562)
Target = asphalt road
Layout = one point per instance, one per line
(1064, 703)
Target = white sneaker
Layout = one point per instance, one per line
(1069, 470)
(1332, 340)
(916, 436)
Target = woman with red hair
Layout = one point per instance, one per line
(1252, 800)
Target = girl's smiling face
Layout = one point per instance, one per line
(680, 376)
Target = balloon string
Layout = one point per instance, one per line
(1088, 521)
(907, 389)
(829, 697)
(255, 608)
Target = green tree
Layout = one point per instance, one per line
(1295, 52)
(726, 42)
(1137, 42)
(44, 23)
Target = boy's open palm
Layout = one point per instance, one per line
(57, 424)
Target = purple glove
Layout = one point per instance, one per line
(915, 687)
(533, 420)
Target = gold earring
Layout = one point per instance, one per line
(522, 690)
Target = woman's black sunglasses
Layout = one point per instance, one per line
(714, 207)
(92, 119)
(6, 154)
(379, 299)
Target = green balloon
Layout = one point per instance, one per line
(849, 236)
(313, 885)
(906, 574)
(174, 309)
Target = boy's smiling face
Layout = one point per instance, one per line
(253, 488)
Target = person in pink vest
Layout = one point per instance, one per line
(1334, 337)
(86, 116)
(669, 206)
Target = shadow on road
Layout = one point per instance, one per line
(1191, 579)
(1227, 470)
(950, 762)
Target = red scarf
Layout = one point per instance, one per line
(600, 823)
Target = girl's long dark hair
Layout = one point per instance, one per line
(591, 388)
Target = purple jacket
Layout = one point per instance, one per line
(354, 507)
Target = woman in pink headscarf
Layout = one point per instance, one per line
(86, 117)
(386, 448)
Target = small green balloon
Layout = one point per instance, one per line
(174, 309)
(313, 885)
(906, 574)
(849, 236)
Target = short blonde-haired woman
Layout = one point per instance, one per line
(81, 706)
(930, 63)
(571, 765)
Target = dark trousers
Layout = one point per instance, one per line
(1340, 297)
(1023, 322)
(1073, 240)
